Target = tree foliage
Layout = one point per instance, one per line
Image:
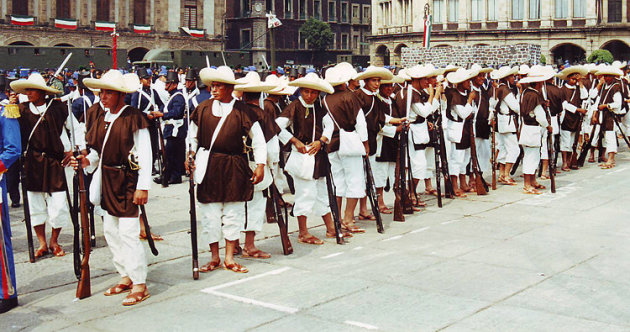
(317, 33)
(601, 56)
(543, 59)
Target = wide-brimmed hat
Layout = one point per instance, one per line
(35, 81)
(395, 79)
(312, 81)
(222, 74)
(609, 70)
(403, 73)
(461, 75)
(114, 80)
(591, 67)
(503, 72)
(619, 64)
(420, 71)
(252, 83)
(480, 69)
(523, 69)
(336, 76)
(281, 86)
(538, 74)
(565, 73)
(348, 69)
(375, 72)
(447, 69)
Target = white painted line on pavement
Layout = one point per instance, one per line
(333, 255)
(253, 302)
(419, 230)
(362, 325)
(449, 222)
(358, 248)
(240, 281)
(393, 238)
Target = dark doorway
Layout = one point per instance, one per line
(102, 10)
(63, 9)
(20, 7)
(619, 50)
(140, 12)
(568, 52)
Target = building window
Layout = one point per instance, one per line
(476, 10)
(270, 6)
(63, 8)
(288, 8)
(344, 13)
(245, 8)
(334, 41)
(20, 7)
(367, 14)
(562, 8)
(579, 8)
(492, 10)
(355, 12)
(302, 42)
(332, 11)
(302, 9)
(190, 16)
(139, 12)
(317, 9)
(102, 10)
(534, 9)
(344, 41)
(438, 11)
(453, 10)
(246, 38)
(518, 8)
(614, 10)
(355, 42)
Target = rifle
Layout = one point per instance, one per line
(573, 162)
(552, 163)
(76, 241)
(586, 147)
(410, 183)
(481, 187)
(494, 156)
(436, 153)
(276, 198)
(332, 201)
(401, 202)
(27, 213)
(372, 194)
(625, 138)
(448, 185)
(163, 178)
(147, 229)
(193, 206)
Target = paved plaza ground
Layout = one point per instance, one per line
(505, 261)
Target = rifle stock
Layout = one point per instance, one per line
(332, 201)
(436, 152)
(27, 215)
(163, 178)
(193, 220)
(399, 186)
(585, 148)
(76, 240)
(494, 159)
(283, 226)
(372, 194)
(480, 186)
(83, 287)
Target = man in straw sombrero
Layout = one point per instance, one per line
(609, 104)
(507, 115)
(47, 150)
(574, 94)
(252, 87)
(120, 159)
(225, 180)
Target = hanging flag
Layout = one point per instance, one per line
(104, 26)
(141, 28)
(272, 21)
(22, 20)
(194, 32)
(426, 40)
(66, 24)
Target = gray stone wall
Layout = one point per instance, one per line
(488, 55)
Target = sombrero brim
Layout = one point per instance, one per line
(128, 85)
(255, 87)
(608, 71)
(309, 84)
(456, 79)
(536, 78)
(378, 72)
(395, 79)
(20, 86)
(564, 75)
(497, 74)
(213, 75)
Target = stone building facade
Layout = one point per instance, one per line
(164, 16)
(486, 55)
(566, 30)
(350, 21)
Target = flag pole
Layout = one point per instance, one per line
(115, 49)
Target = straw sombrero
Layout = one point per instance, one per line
(114, 80)
(35, 81)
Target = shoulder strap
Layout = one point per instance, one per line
(330, 113)
(219, 125)
(41, 117)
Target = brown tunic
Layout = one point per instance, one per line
(118, 179)
(572, 121)
(42, 164)
(266, 121)
(606, 97)
(302, 128)
(530, 99)
(482, 127)
(228, 175)
(344, 107)
(453, 98)
(374, 117)
(389, 146)
(556, 96)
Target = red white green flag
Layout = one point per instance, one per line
(141, 28)
(22, 20)
(194, 32)
(426, 40)
(66, 24)
(104, 26)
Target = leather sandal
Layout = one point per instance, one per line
(352, 228)
(256, 254)
(135, 298)
(41, 252)
(310, 240)
(334, 236)
(235, 267)
(118, 289)
(211, 266)
(58, 251)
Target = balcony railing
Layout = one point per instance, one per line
(395, 30)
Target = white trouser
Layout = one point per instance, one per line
(311, 197)
(483, 154)
(384, 170)
(123, 239)
(625, 121)
(418, 162)
(610, 141)
(544, 153)
(531, 159)
(347, 175)
(566, 140)
(508, 148)
(429, 155)
(458, 160)
(51, 207)
(217, 218)
(256, 212)
(278, 177)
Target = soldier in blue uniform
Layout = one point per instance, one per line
(85, 100)
(204, 94)
(10, 150)
(174, 131)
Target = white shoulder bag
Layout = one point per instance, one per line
(301, 165)
(350, 144)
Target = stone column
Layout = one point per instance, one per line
(174, 15)
(570, 13)
(546, 10)
(605, 11)
(445, 13)
(3, 8)
(35, 10)
(77, 11)
(48, 10)
(504, 14)
(116, 10)
(464, 15)
(525, 13)
(152, 13)
(127, 14)
(591, 15)
(208, 17)
(482, 13)
(624, 11)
